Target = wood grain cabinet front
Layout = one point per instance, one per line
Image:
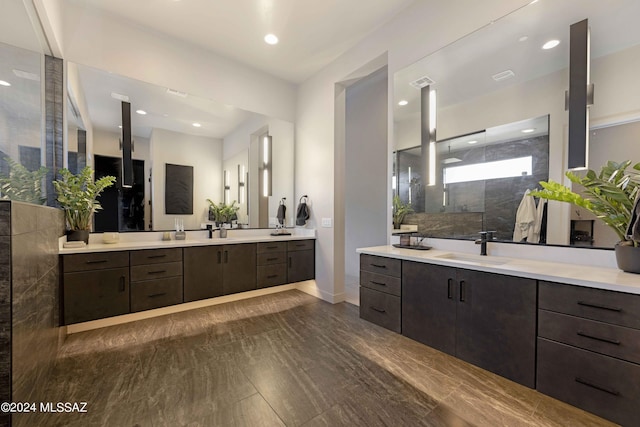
(380, 308)
(301, 260)
(149, 294)
(202, 272)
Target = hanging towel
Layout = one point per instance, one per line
(282, 212)
(302, 215)
(525, 218)
(534, 236)
(633, 229)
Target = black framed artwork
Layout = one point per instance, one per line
(178, 189)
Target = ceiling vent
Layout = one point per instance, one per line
(422, 82)
(119, 97)
(504, 75)
(176, 93)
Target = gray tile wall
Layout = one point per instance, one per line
(29, 300)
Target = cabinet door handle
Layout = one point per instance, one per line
(449, 288)
(597, 386)
(379, 310)
(226, 257)
(462, 293)
(272, 259)
(602, 307)
(157, 295)
(272, 276)
(378, 266)
(97, 261)
(272, 247)
(122, 284)
(156, 256)
(219, 257)
(157, 272)
(300, 245)
(593, 337)
(378, 283)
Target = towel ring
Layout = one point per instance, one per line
(282, 201)
(303, 199)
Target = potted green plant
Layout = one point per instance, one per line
(223, 213)
(400, 210)
(611, 195)
(77, 195)
(22, 184)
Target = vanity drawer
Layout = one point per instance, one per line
(156, 256)
(94, 261)
(606, 306)
(156, 293)
(155, 271)
(272, 258)
(604, 338)
(272, 275)
(600, 384)
(381, 265)
(380, 282)
(266, 247)
(380, 308)
(300, 245)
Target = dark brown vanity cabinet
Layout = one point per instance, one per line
(486, 319)
(95, 286)
(156, 278)
(238, 268)
(589, 349)
(301, 262)
(272, 264)
(202, 272)
(380, 291)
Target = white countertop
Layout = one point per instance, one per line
(153, 240)
(572, 274)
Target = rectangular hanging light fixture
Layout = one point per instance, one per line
(428, 108)
(127, 161)
(266, 165)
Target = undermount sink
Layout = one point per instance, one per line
(476, 259)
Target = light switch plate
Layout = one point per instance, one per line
(326, 222)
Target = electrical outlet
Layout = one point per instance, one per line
(326, 222)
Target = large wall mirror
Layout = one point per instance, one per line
(221, 147)
(500, 77)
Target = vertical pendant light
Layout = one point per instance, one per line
(127, 161)
(428, 105)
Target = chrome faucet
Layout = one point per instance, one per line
(485, 236)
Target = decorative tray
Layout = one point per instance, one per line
(417, 247)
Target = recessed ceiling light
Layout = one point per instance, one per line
(3, 83)
(523, 39)
(550, 44)
(141, 112)
(403, 102)
(196, 125)
(527, 130)
(472, 142)
(271, 39)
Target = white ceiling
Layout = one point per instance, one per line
(312, 33)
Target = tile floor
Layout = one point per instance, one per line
(281, 359)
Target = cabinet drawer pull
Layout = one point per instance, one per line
(272, 276)
(602, 307)
(378, 283)
(462, 293)
(597, 387)
(379, 310)
(98, 261)
(122, 283)
(449, 288)
(272, 247)
(156, 256)
(593, 337)
(157, 295)
(378, 266)
(272, 259)
(157, 272)
(299, 245)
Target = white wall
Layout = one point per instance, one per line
(74, 87)
(102, 41)
(419, 30)
(231, 165)
(365, 172)
(205, 155)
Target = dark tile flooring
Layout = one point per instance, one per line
(281, 359)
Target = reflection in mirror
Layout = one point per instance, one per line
(170, 127)
(20, 124)
(481, 179)
(500, 74)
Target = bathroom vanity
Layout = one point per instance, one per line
(572, 332)
(104, 280)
